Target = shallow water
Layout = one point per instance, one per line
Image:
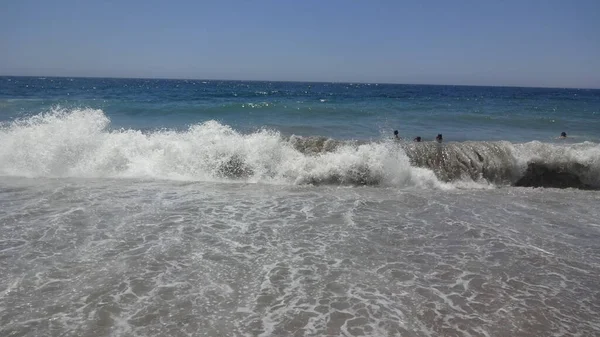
(222, 208)
(102, 257)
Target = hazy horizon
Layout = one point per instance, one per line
(536, 44)
(290, 81)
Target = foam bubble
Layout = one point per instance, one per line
(80, 143)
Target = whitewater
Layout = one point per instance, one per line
(198, 208)
(79, 143)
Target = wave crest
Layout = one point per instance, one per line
(79, 143)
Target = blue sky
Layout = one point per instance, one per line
(551, 43)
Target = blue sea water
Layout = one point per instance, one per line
(336, 110)
(138, 207)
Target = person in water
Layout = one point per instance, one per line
(417, 139)
(396, 136)
(439, 138)
(563, 135)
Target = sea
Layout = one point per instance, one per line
(151, 207)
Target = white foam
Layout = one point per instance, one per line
(79, 143)
(586, 154)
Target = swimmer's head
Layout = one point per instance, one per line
(563, 134)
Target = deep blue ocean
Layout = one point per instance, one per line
(133, 207)
(336, 110)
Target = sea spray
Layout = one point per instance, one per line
(80, 143)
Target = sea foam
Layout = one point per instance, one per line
(80, 143)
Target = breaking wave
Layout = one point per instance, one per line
(80, 143)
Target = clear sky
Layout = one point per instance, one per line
(552, 43)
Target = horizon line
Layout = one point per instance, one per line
(297, 81)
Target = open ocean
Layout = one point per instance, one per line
(133, 207)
